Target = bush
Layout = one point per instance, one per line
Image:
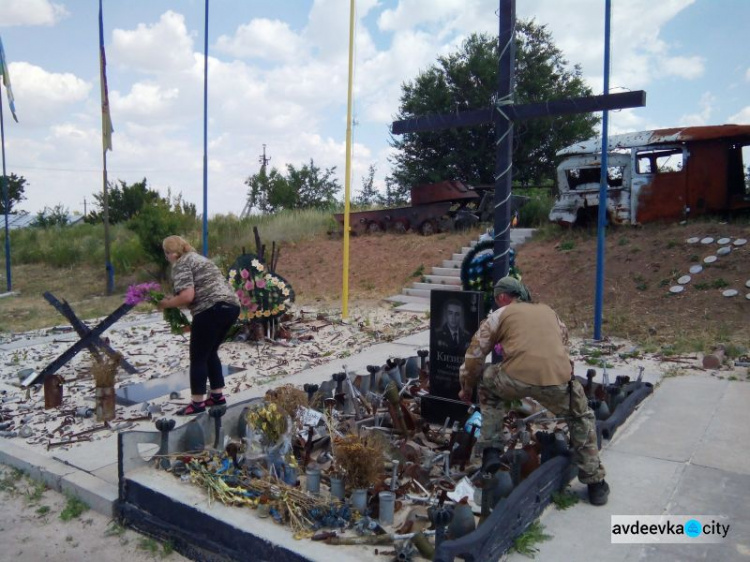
(535, 212)
(152, 225)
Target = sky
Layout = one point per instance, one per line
(278, 72)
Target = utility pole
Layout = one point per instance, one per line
(264, 160)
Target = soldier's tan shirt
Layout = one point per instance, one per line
(534, 345)
(211, 287)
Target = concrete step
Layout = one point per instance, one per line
(446, 277)
(414, 307)
(447, 271)
(437, 286)
(406, 299)
(425, 293)
(443, 279)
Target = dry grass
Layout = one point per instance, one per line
(360, 458)
(288, 399)
(105, 370)
(83, 287)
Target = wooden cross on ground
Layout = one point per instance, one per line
(502, 115)
(89, 339)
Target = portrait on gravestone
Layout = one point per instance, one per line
(454, 317)
(453, 334)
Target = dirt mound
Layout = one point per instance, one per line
(641, 265)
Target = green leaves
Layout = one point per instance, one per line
(301, 188)
(466, 80)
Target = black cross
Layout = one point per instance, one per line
(502, 115)
(88, 338)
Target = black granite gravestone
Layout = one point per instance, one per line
(454, 318)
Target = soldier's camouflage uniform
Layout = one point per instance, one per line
(563, 400)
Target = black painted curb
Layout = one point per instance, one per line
(605, 429)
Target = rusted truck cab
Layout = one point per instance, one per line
(665, 174)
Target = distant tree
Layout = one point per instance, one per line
(395, 194)
(300, 188)
(124, 201)
(55, 216)
(467, 79)
(16, 188)
(369, 195)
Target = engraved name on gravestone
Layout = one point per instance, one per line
(454, 318)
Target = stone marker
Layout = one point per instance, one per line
(454, 318)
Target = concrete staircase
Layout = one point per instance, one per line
(445, 277)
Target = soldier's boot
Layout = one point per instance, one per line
(491, 460)
(598, 493)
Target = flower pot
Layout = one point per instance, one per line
(387, 502)
(105, 403)
(337, 487)
(313, 480)
(359, 500)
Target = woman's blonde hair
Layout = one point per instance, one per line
(176, 245)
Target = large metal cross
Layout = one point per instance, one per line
(502, 115)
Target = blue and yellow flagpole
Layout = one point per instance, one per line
(5, 74)
(348, 178)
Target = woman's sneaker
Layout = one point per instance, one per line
(192, 409)
(215, 400)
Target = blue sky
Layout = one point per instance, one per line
(278, 74)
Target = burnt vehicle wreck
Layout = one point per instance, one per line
(664, 174)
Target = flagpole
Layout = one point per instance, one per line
(6, 200)
(348, 178)
(106, 145)
(205, 136)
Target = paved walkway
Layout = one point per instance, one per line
(683, 452)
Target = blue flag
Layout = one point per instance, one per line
(6, 81)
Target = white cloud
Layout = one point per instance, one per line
(31, 12)
(263, 39)
(742, 117)
(42, 95)
(703, 116)
(689, 68)
(144, 99)
(747, 75)
(164, 47)
(327, 30)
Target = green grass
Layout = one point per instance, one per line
(567, 245)
(526, 542)
(419, 272)
(42, 510)
(564, 499)
(114, 529)
(35, 493)
(67, 246)
(154, 547)
(73, 509)
(9, 480)
(719, 283)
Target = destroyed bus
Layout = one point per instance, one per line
(665, 174)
